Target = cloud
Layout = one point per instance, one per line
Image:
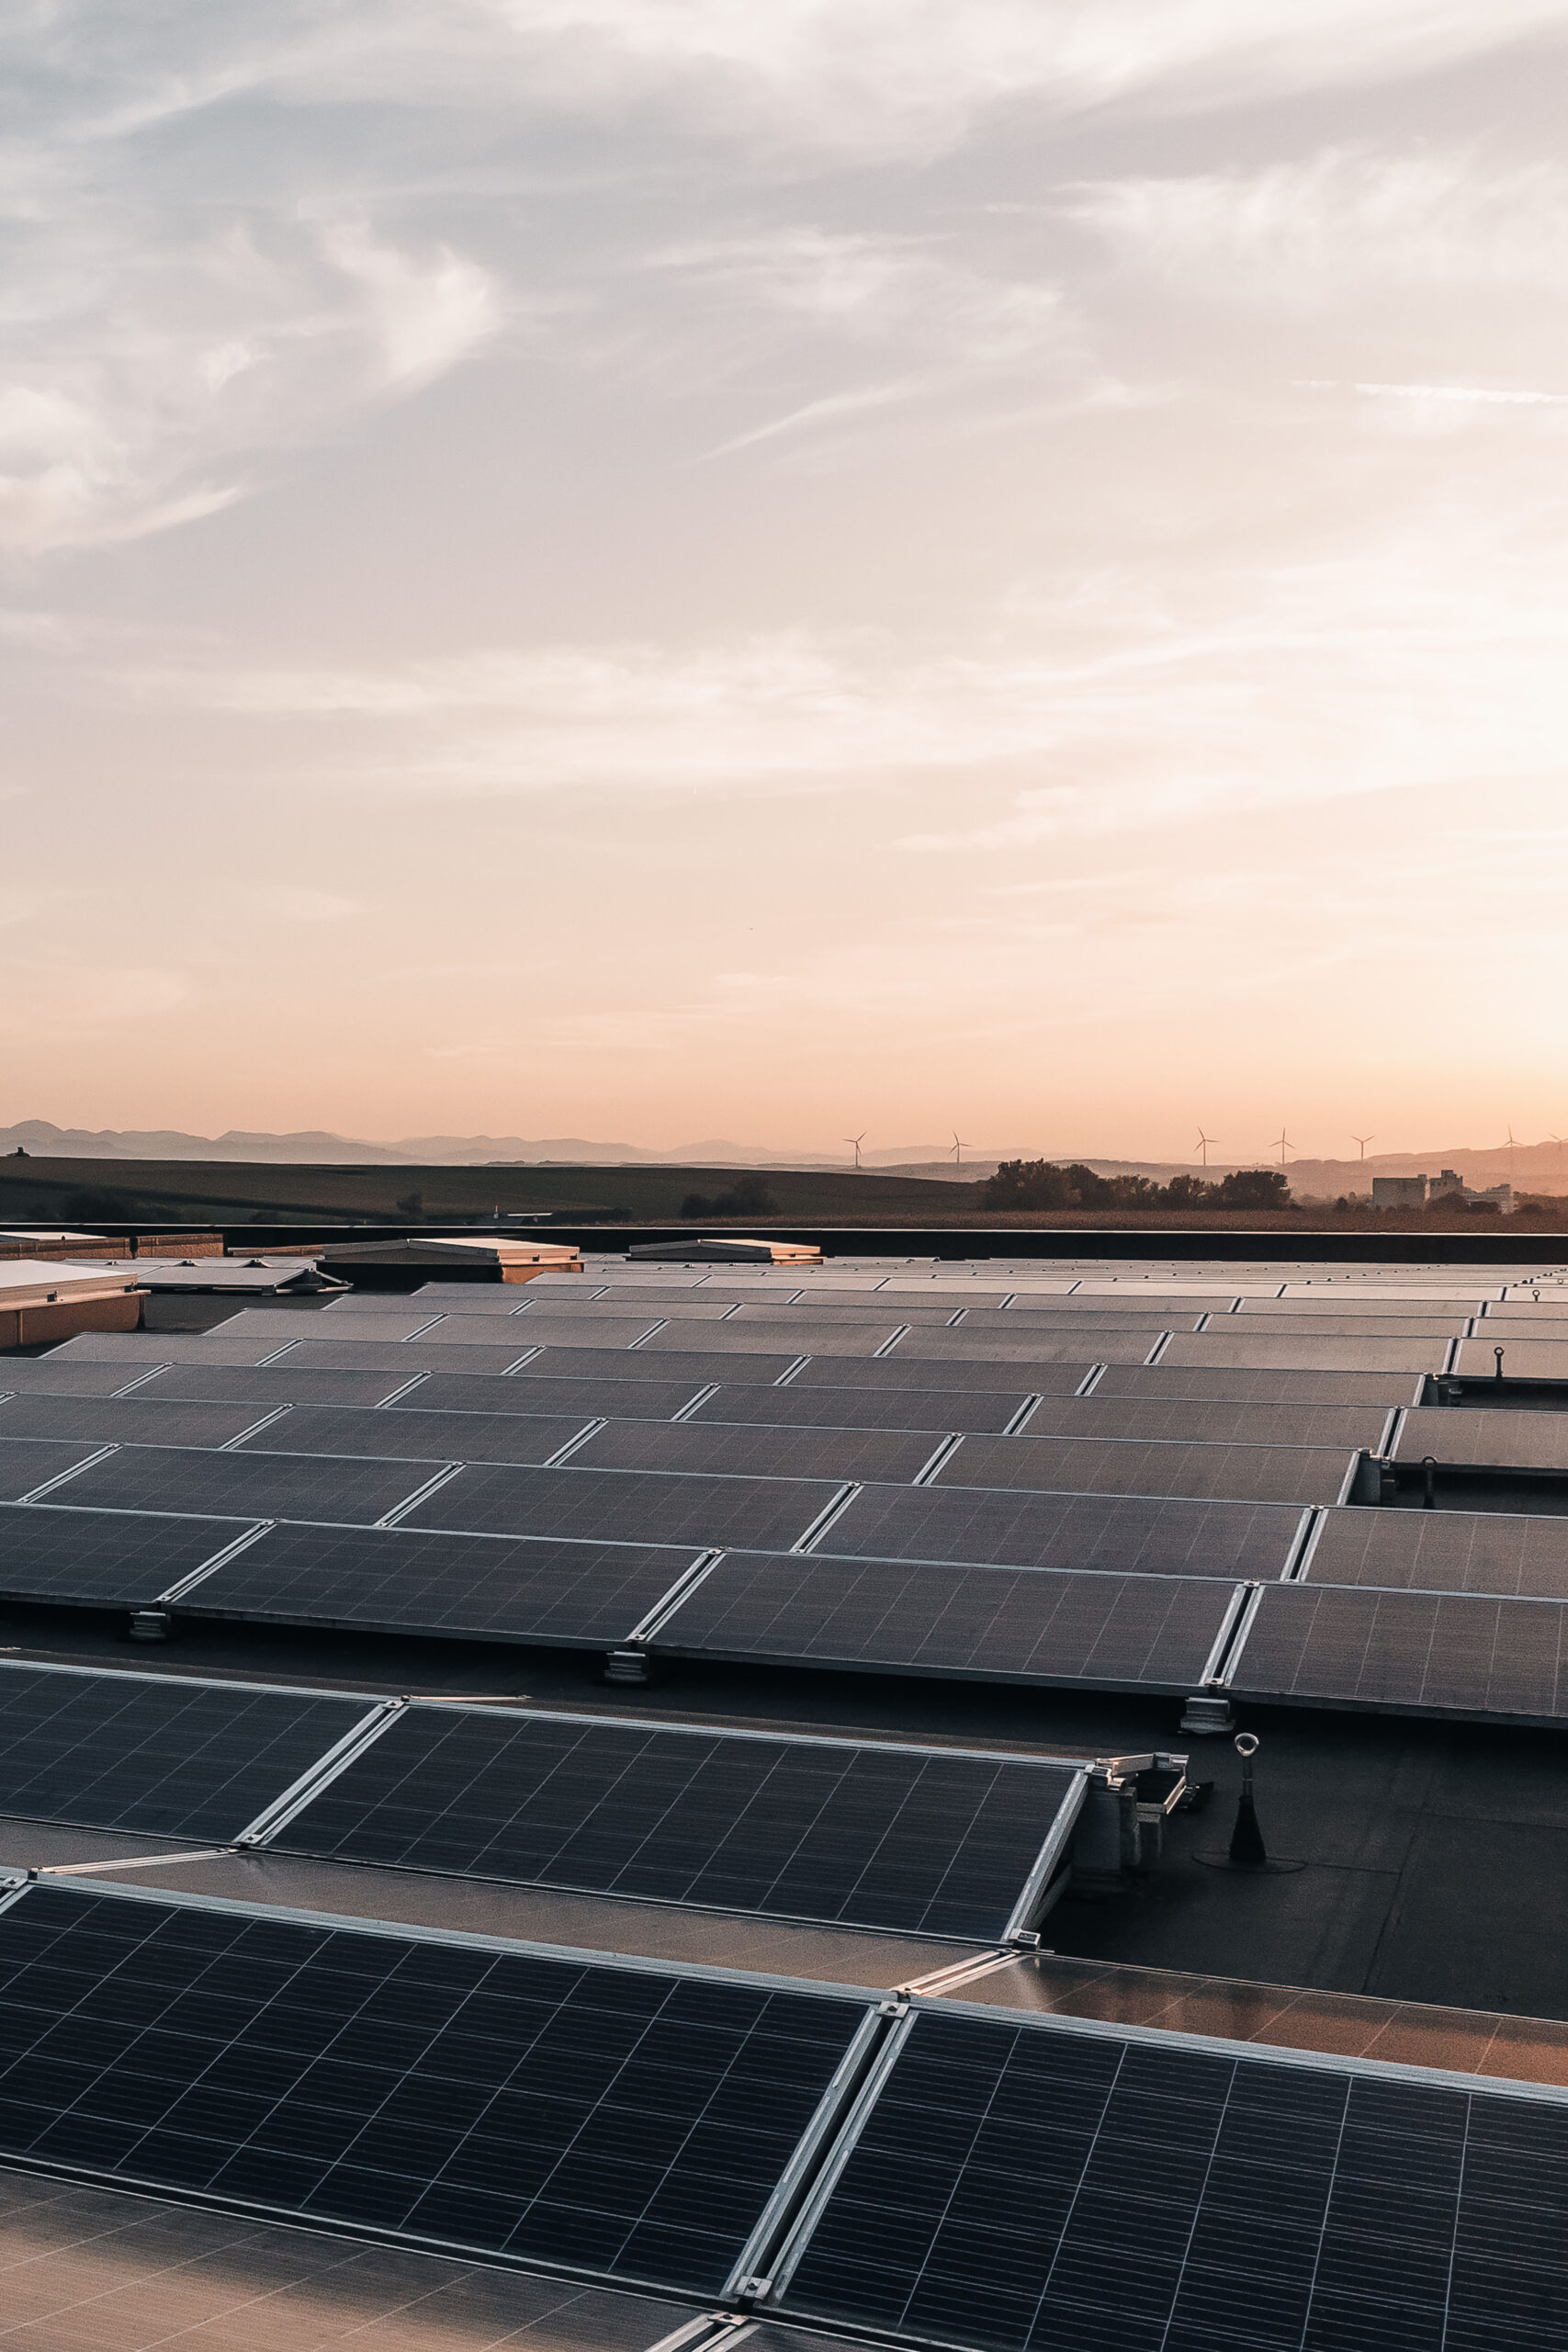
(1340, 223)
(151, 369)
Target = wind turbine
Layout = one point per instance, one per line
(1283, 1140)
(1363, 1141)
(1558, 1141)
(1513, 1146)
(857, 1141)
(1203, 1143)
(957, 1149)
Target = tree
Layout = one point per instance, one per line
(411, 1205)
(1254, 1188)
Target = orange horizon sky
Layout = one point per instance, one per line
(649, 569)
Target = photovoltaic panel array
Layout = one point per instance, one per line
(1443, 1551)
(898, 1371)
(156, 1754)
(427, 1437)
(582, 1596)
(1289, 2205)
(992, 1623)
(923, 1842)
(1263, 1352)
(247, 1486)
(626, 1506)
(1459, 1653)
(625, 2122)
(1281, 1474)
(29, 1463)
(101, 1559)
(1477, 1439)
(51, 1376)
(1122, 1534)
(744, 1450)
(126, 1420)
(284, 1384)
(1237, 1385)
(934, 1409)
(1193, 1421)
(628, 1399)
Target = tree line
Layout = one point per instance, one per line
(1041, 1184)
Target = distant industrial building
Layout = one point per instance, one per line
(1415, 1192)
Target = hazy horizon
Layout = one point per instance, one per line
(625, 569)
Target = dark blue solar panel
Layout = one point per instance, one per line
(621, 2122)
(1023, 2189)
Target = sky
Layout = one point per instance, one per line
(653, 568)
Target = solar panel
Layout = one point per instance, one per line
(1129, 1534)
(1195, 1420)
(1263, 1352)
(1370, 1324)
(950, 1348)
(1275, 1474)
(626, 1306)
(1002, 1624)
(625, 1506)
(1407, 1649)
(542, 1326)
(870, 1836)
(136, 1350)
(286, 1384)
(100, 1558)
(363, 1355)
(747, 1450)
(691, 1371)
(247, 1486)
(126, 1420)
(529, 1393)
(1443, 1551)
(1522, 1358)
(27, 1463)
(429, 1436)
(866, 1314)
(157, 1754)
(1501, 1441)
(47, 1376)
(803, 1335)
(348, 1322)
(898, 1371)
(1533, 1323)
(931, 1411)
(1281, 2204)
(581, 1596)
(625, 2122)
(1236, 1386)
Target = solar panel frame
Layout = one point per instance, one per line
(128, 1420)
(931, 1411)
(1506, 1554)
(526, 1438)
(1476, 1437)
(250, 1485)
(751, 1449)
(97, 1560)
(1234, 1385)
(625, 1506)
(541, 1593)
(1017, 1625)
(1155, 1466)
(27, 1463)
(883, 1836)
(159, 1755)
(1300, 2199)
(285, 1383)
(1120, 1534)
(616, 2119)
(1404, 1653)
(1212, 1349)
